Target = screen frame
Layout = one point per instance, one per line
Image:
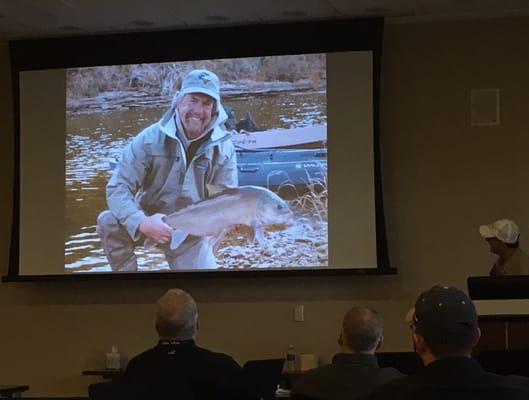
(364, 34)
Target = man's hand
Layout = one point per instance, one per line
(155, 229)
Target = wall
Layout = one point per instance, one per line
(442, 178)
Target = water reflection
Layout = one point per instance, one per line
(93, 139)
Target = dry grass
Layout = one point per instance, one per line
(162, 79)
(312, 199)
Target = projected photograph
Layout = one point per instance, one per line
(201, 165)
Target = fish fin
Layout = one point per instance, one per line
(149, 244)
(259, 235)
(177, 237)
(218, 191)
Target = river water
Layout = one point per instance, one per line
(94, 138)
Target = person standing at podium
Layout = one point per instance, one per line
(503, 237)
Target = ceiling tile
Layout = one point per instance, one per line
(29, 18)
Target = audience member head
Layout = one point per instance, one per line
(361, 331)
(177, 316)
(502, 236)
(444, 323)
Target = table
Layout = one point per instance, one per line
(11, 391)
(106, 373)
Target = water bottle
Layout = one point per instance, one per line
(113, 359)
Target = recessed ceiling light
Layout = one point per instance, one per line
(142, 22)
(69, 28)
(294, 13)
(218, 18)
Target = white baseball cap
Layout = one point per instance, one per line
(505, 230)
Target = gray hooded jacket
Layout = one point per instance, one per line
(153, 175)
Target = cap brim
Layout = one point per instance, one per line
(487, 231)
(210, 93)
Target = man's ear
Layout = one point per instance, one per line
(477, 337)
(380, 341)
(418, 342)
(340, 337)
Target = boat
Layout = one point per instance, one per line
(275, 168)
(313, 135)
(280, 158)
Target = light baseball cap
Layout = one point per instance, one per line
(505, 230)
(202, 81)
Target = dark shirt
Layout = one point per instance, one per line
(350, 376)
(191, 146)
(211, 375)
(194, 146)
(454, 378)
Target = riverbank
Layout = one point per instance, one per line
(129, 99)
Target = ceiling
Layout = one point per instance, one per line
(51, 18)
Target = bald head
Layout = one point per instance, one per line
(361, 330)
(177, 316)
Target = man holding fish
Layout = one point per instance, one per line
(176, 182)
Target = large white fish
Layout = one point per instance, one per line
(252, 206)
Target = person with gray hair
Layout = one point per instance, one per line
(177, 316)
(180, 160)
(211, 375)
(354, 371)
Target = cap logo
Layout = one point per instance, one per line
(204, 77)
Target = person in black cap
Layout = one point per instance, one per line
(354, 372)
(445, 329)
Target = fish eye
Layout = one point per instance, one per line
(279, 207)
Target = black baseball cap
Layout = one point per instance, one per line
(445, 315)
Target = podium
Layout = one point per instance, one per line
(504, 324)
(502, 304)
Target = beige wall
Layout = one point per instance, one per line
(442, 178)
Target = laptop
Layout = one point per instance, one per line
(263, 376)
